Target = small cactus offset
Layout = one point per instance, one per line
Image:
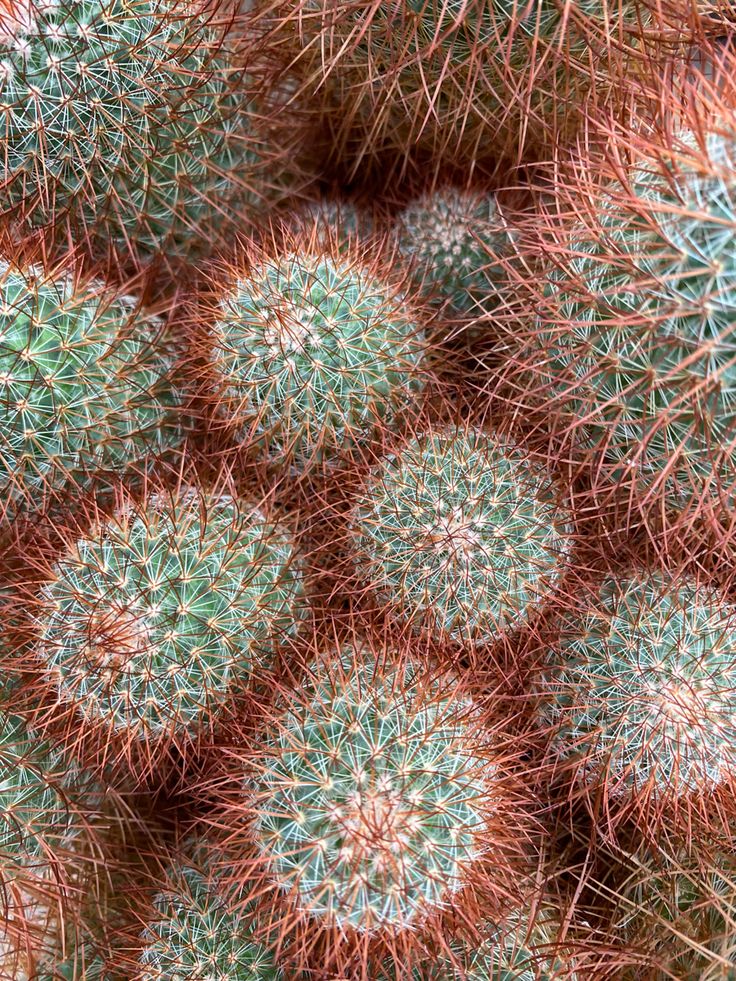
(85, 383)
(375, 803)
(641, 694)
(459, 532)
(147, 622)
(194, 933)
(450, 238)
(311, 349)
(130, 120)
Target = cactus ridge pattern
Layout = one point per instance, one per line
(124, 114)
(194, 934)
(643, 688)
(313, 350)
(459, 531)
(451, 237)
(371, 797)
(86, 383)
(148, 621)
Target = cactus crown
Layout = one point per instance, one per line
(370, 803)
(193, 934)
(459, 531)
(85, 379)
(645, 687)
(451, 237)
(311, 351)
(121, 111)
(648, 339)
(147, 621)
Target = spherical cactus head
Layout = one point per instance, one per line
(86, 380)
(459, 532)
(148, 622)
(641, 692)
(376, 802)
(454, 240)
(128, 120)
(312, 349)
(635, 337)
(193, 932)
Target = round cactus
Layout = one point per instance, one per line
(375, 802)
(46, 848)
(682, 914)
(125, 117)
(451, 237)
(642, 691)
(329, 221)
(635, 339)
(86, 379)
(460, 533)
(146, 622)
(311, 350)
(193, 933)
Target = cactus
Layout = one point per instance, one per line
(459, 532)
(47, 847)
(86, 380)
(682, 913)
(635, 336)
(147, 622)
(329, 221)
(451, 238)
(376, 801)
(641, 693)
(194, 933)
(125, 118)
(311, 350)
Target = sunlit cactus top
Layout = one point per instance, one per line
(194, 934)
(85, 383)
(121, 112)
(312, 350)
(460, 532)
(146, 622)
(642, 692)
(639, 334)
(373, 794)
(451, 237)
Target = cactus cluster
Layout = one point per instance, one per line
(147, 622)
(86, 379)
(459, 531)
(641, 692)
(311, 351)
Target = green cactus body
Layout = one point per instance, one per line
(459, 532)
(451, 237)
(330, 221)
(311, 352)
(195, 935)
(684, 915)
(86, 384)
(121, 112)
(644, 689)
(40, 830)
(148, 621)
(372, 795)
(641, 343)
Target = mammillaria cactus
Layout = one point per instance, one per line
(193, 933)
(450, 238)
(86, 383)
(459, 532)
(47, 849)
(635, 337)
(311, 349)
(147, 622)
(376, 802)
(129, 119)
(641, 693)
